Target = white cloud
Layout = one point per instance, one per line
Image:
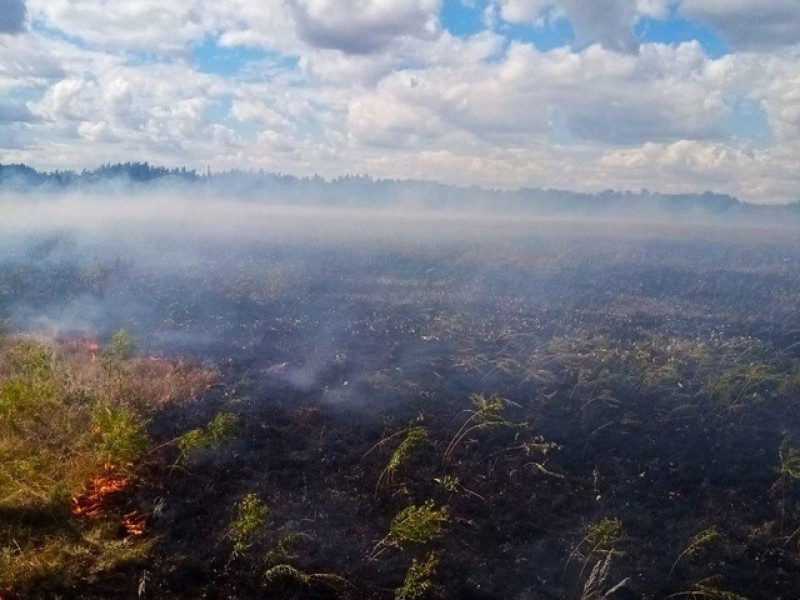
(29, 62)
(688, 166)
(600, 96)
(147, 25)
(750, 24)
(364, 26)
(607, 22)
(405, 99)
(655, 9)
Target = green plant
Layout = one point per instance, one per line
(418, 583)
(414, 525)
(123, 434)
(789, 460)
(487, 413)
(250, 516)
(593, 589)
(30, 382)
(415, 438)
(696, 543)
(284, 547)
(288, 575)
(25, 395)
(449, 483)
(32, 358)
(708, 589)
(121, 347)
(737, 384)
(602, 537)
(62, 415)
(418, 524)
(220, 429)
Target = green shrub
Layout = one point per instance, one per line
(604, 535)
(418, 524)
(414, 525)
(120, 348)
(418, 583)
(30, 383)
(220, 429)
(123, 435)
(250, 516)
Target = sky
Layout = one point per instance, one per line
(586, 95)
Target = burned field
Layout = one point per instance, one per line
(445, 408)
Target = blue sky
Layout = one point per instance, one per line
(678, 95)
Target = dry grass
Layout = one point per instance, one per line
(66, 410)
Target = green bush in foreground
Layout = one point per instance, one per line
(250, 516)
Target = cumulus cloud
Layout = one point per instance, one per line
(607, 22)
(686, 165)
(12, 16)
(750, 24)
(364, 26)
(664, 94)
(145, 25)
(655, 9)
(380, 87)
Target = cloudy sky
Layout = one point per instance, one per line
(671, 95)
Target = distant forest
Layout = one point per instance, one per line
(365, 191)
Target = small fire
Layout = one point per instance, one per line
(99, 489)
(134, 523)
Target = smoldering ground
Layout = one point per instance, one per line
(112, 256)
(335, 329)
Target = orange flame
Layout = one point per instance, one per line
(134, 523)
(94, 500)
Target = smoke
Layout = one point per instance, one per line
(340, 301)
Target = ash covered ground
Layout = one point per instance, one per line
(592, 408)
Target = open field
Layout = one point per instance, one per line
(426, 406)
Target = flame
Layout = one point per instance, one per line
(94, 500)
(134, 523)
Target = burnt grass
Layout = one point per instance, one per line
(651, 376)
